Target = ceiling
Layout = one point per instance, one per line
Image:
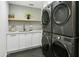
(35, 4)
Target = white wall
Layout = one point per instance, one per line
(3, 27)
(46, 3)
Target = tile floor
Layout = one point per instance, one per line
(36, 52)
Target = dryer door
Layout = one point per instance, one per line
(61, 13)
(46, 20)
(59, 50)
(45, 17)
(46, 45)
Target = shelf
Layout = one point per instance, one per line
(13, 19)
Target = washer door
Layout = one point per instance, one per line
(45, 17)
(59, 50)
(46, 45)
(61, 13)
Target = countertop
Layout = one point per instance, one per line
(33, 31)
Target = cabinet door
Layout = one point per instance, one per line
(28, 40)
(25, 40)
(36, 39)
(22, 41)
(40, 38)
(12, 42)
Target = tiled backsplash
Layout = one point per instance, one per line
(20, 26)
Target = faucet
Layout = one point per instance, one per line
(24, 27)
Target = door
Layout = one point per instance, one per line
(12, 42)
(60, 50)
(46, 19)
(46, 41)
(60, 17)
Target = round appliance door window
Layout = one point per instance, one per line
(45, 46)
(61, 14)
(59, 50)
(45, 18)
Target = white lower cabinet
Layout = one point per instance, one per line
(25, 40)
(36, 39)
(12, 42)
(28, 40)
(40, 38)
(21, 41)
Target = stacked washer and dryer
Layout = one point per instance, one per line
(46, 38)
(60, 22)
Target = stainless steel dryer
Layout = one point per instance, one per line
(46, 44)
(46, 19)
(65, 18)
(64, 46)
(46, 26)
